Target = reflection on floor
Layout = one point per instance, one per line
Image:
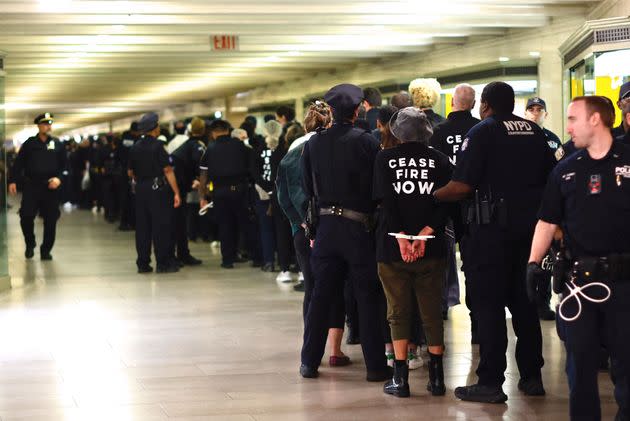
(85, 338)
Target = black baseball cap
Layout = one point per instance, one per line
(46, 118)
(536, 101)
(624, 91)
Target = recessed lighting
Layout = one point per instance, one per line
(504, 59)
(294, 53)
(218, 114)
(118, 28)
(534, 53)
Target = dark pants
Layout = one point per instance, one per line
(180, 230)
(543, 292)
(605, 323)
(267, 234)
(497, 280)
(231, 212)
(127, 204)
(303, 255)
(154, 210)
(38, 199)
(111, 196)
(96, 189)
(284, 239)
(344, 250)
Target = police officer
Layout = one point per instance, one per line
(226, 165)
(156, 196)
(127, 208)
(39, 164)
(624, 97)
(112, 178)
(588, 195)
(503, 164)
(338, 169)
(186, 153)
(536, 111)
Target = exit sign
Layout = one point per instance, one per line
(224, 42)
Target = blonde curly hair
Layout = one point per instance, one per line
(425, 93)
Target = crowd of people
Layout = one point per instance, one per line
(368, 202)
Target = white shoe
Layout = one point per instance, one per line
(414, 360)
(301, 277)
(284, 277)
(94, 210)
(215, 244)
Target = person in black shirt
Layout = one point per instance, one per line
(337, 174)
(425, 94)
(112, 178)
(503, 164)
(127, 202)
(588, 196)
(156, 196)
(226, 163)
(405, 177)
(185, 159)
(372, 103)
(40, 163)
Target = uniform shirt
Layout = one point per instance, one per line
(39, 161)
(127, 141)
(507, 157)
(590, 200)
(111, 160)
(185, 160)
(405, 178)
(342, 160)
(449, 135)
(148, 158)
(227, 161)
(96, 157)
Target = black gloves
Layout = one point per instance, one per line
(534, 274)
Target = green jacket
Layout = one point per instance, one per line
(290, 193)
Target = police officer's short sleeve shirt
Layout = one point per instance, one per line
(148, 158)
(590, 200)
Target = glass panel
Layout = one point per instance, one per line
(610, 72)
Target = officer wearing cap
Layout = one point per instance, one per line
(536, 111)
(226, 164)
(588, 195)
(156, 196)
(39, 164)
(338, 169)
(624, 98)
(503, 166)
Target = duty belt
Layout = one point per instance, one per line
(346, 213)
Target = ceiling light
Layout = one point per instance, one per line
(294, 53)
(118, 28)
(504, 59)
(218, 114)
(534, 53)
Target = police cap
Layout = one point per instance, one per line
(536, 101)
(148, 122)
(45, 118)
(624, 91)
(344, 97)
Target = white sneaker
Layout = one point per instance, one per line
(390, 358)
(414, 360)
(284, 277)
(215, 244)
(301, 277)
(94, 210)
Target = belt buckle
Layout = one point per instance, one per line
(337, 211)
(155, 185)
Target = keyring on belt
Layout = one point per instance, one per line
(576, 291)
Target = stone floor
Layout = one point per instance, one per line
(86, 338)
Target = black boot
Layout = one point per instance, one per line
(399, 384)
(436, 376)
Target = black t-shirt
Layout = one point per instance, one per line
(186, 161)
(39, 161)
(111, 160)
(405, 178)
(449, 135)
(148, 158)
(590, 200)
(227, 161)
(507, 157)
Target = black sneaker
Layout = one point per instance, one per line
(190, 261)
(481, 393)
(256, 264)
(227, 265)
(299, 287)
(531, 387)
(29, 253)
(380, 375)
(145, 269)
(46, 256)
(267, 267)
(545, 313)
(308, 372)
(167, 269)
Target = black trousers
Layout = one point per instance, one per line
(111, 196)
(127, 204)
(154, 215)
(38, 199)
(180, 230)
(605, 323)
(496, 273)
(303, 255)
(284, 239)
(231, 213)
(344, 250)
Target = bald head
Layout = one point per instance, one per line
(463, 97)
